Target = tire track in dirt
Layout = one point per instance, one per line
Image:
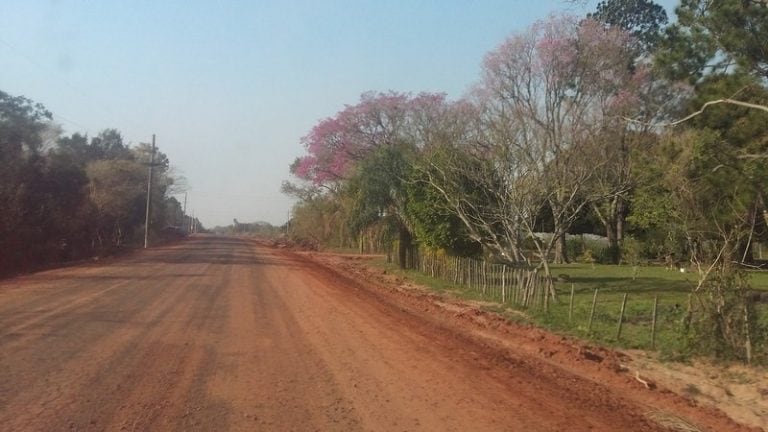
(107, 337)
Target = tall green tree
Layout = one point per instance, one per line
(435, 225)
(22, 123)
(716, 36)
(705, 196)
(643, 19)
(65, 197)
(117, 189)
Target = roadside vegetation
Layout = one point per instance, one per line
(69, 197)
(652, 135)
(256, 229)
(669, 288)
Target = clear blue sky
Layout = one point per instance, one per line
(230, 87)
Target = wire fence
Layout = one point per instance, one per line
(506, 284)
(607, 315)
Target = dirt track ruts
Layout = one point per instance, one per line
(222, 334)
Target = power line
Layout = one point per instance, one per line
(83, 94)
(73, 123)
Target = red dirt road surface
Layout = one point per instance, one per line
(217, 334)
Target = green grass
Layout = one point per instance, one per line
(612, 282)
(649, 278)
(671, 287)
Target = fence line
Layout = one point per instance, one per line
(526, 288)
(506, 284)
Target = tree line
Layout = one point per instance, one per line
(257, 229)
(67, 197)
(653, 135)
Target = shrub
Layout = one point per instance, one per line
(723, 321)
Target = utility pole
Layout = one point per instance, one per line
(184, 212)
(288, 225)
(149, 193)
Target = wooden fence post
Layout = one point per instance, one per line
(469, 273)
(478, 272)
(525, 288)
(528, 291)
(503, 283)
(454, 269)
(477, 275)
(653, 322)
(621, 316)
(516, 288)
(747, 336)
(539, 291)
(592, 312)
(570, 306)
(433, 264)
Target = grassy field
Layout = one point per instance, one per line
(612, 282)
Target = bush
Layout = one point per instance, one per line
(574, 248)
(722, 321)
(631, 253)
(610, 255)
(586, 250)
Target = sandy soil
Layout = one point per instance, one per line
(224, 334)
(739, 391)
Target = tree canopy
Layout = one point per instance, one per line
(68, 197)
(616, 123)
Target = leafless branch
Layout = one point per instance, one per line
(699, 112)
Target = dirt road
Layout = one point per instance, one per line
(220, 334)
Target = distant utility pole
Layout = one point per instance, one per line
(149, 193)
(184, 212)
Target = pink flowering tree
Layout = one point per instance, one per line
(337, 143)
(364, 151)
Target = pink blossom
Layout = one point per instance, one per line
(337, 143)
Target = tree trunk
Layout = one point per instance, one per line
(619, 219)
(550, 286)
(614, 251)
(405, 247)
(558, 231)
(561, 254)
(614, 227)
(618, 222)
(517, 254)
(611, 234)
